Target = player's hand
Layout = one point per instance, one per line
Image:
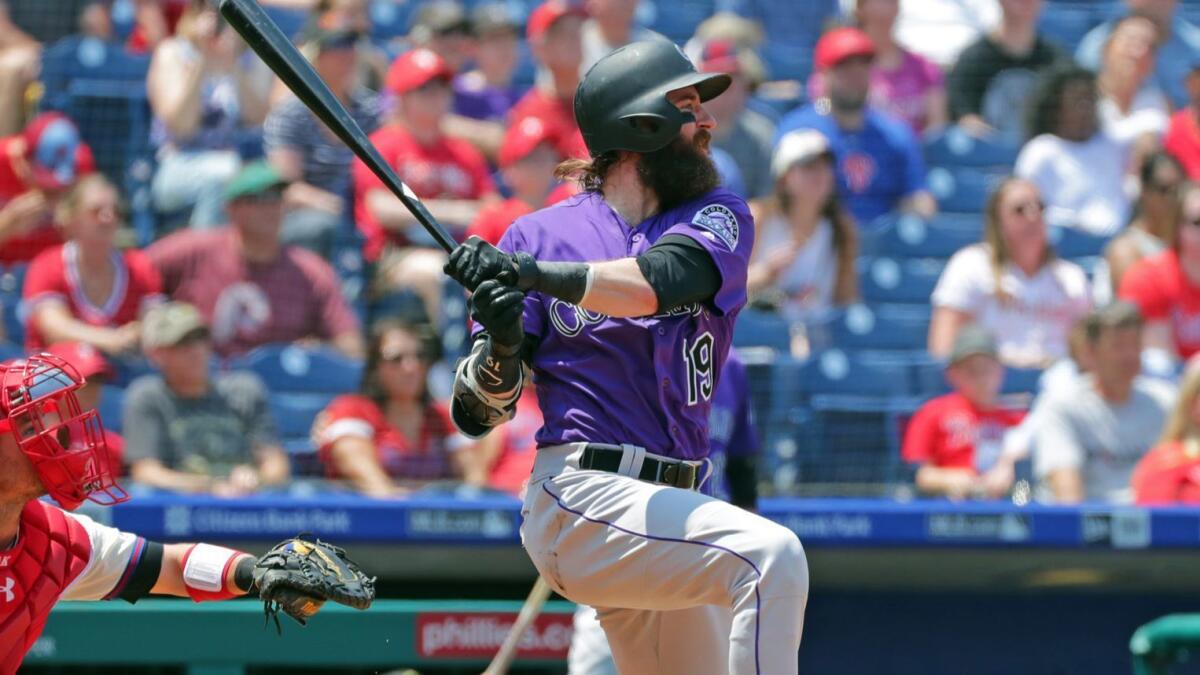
(499, 308)
(998, 480)
(475, 261)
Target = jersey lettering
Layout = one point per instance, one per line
(7, 589)
(699, 356)
(570, 320)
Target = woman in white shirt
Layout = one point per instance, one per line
(1131, 112)
(1011, 284)
(806, 242)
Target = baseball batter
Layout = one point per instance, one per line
(622, 301)
(48, 445)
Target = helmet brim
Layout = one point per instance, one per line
(708, 85)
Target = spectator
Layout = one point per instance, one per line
(1011, 285)
(1178, 47)
(1132, 109)
(251, 288)
(86, 290)
(508, 452)
(994, 75)
(307, 154)
(1089, 437)
(958, 441)
(486, 92)
(37, 167)
(95, 370)
(1183, 132)
(939, 30)
(527, 161)
(903, 84)
(806, 244)
(19, 64)
(154, 21)
(610, 25)
(393, 436)
(449, 176)
(1157, 215)
(880, 168)
(554, 36)
(746, 134)
(204, 87)
(354, 16)
(442, 27)
(1080, 171)
(188, 431)
(1170, 473)
(1166, 287)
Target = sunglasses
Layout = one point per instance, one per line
(1029, 209)
(398, 357)
(1161, 189)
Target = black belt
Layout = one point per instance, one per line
(673, 472)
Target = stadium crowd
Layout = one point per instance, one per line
(994, 199)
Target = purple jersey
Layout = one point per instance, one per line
(730, 424)
(647, 381)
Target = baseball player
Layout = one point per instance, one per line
(622, 301)
(49, 445)
(733, 449)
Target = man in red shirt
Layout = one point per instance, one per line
(450, 177)
(527, 161)
(958, 440)
(251, 288)
(1166, 286)
(554, 33)
(37, 166)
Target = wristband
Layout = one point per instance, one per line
(205, 568)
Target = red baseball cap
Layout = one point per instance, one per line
(85, 358)
(415, 68)
(840, 44)
(719, 56)
(522, 139)
(51, 145)
(547, 14)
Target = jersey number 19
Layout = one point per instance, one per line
(699, 357)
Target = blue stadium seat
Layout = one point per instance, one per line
(910, 236)
(12, 280)
(874, 328)
(294, 413)
(894, 280)
(292, 369)
(290, 21)
(676, 19)
(953, 147)
(757, 328)
(10, 350)
(111, 401)
(1066, 26)
(390, 19)
(1021, 380)
(1071, 243)
(962, 190)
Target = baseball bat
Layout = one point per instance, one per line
(529, 611)
(278, 52)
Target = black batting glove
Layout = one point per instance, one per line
(499, 309)
(475, 261)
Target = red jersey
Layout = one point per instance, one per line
(246, 304)
(493, 220)
(555, 113)
(450, 168)
(1168, 474)
(1161, 290)
(426, 457)
(25, 247)
(950, 432)
(1183, 141)
(519, 447)
(54, 275)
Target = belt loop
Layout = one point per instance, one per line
(632, 458)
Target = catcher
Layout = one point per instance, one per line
(48, 445)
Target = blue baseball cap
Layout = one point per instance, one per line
(52, 143)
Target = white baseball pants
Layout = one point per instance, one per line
(657, 561)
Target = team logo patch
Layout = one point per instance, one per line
(719, 222)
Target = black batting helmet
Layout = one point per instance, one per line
(621, 104)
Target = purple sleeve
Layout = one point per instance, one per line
(513, 241)
(743, 442)
(724, 228)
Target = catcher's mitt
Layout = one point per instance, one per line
(299, 575)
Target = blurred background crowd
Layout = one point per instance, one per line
(976, 275)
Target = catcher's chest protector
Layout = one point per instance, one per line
(51, 551)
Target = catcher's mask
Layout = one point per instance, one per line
(65, 444)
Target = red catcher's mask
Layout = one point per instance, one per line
(65, 444)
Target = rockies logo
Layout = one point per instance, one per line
(7, 589)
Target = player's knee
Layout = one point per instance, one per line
(785, 567)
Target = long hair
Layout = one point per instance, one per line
(589, 174)
(993, 238)
(68, 206)
(1146, 172)
(371, 387)
(1045, 101)
(1179, 427)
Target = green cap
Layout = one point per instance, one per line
(254, 178)
(970, 341)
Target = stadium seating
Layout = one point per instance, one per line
(298, 370)
(894, 280)
(1066, 26)
(111, 400)
(759, 328)
(910, 236)
(863, 327)
(11, 280)
(953, 147)
(1072, 244)
(962, 189)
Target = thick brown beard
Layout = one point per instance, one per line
(681, 171)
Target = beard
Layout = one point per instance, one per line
(680, 171)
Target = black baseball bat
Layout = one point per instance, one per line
(278, 52)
